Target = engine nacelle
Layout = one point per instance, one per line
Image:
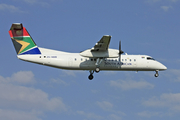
(110, 53)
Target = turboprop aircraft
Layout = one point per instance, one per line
(98, 58)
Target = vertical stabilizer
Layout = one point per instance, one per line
(22, 41)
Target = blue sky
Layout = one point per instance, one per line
(33, 92)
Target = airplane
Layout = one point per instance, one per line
(98, 58)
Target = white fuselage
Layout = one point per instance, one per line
(74, 61)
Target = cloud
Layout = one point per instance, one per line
(153, 1)
(10, 8)
(28, 98)
(31, 1)
(21, 77)
(149, 114)
(130, 84)
(165, 5)
(90, 115)
(173, 0)
(166, 8)
(173, 75)
(72, 73)
(22, 101)
(98, 117)
(59, 81)
(69, 73)
(166, 100)
(19, 115)
(156, 1)
(105, 105)
(114, 117)
(38, 2)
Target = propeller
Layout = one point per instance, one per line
(120, 51)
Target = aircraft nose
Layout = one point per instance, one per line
(163, 67)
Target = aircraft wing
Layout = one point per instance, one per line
(103, 44)
(101, 49)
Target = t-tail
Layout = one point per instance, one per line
(22, 40)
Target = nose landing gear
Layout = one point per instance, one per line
(156, 74)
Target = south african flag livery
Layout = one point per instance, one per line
(22, 41)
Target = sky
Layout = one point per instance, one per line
(145, 27)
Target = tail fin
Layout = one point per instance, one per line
(22, 41)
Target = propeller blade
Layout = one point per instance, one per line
(119, 47)
(120, 51)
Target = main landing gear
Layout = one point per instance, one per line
(91, 73)
(156, 74)
(98, 63)
(97, 69)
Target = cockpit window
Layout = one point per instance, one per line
(150, 58)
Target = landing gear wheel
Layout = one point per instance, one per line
(97, 70)
(156, 75)
(91, 77)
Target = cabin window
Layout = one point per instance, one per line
(39, 56)
(125, 59)
(129, 59)
(122, 59)
(44, 56)
(94, 59)
(81, 59)
(75, 59)
(134, 60)
(91, 59)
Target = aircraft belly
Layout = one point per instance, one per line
(87, 65)
(108, 66)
